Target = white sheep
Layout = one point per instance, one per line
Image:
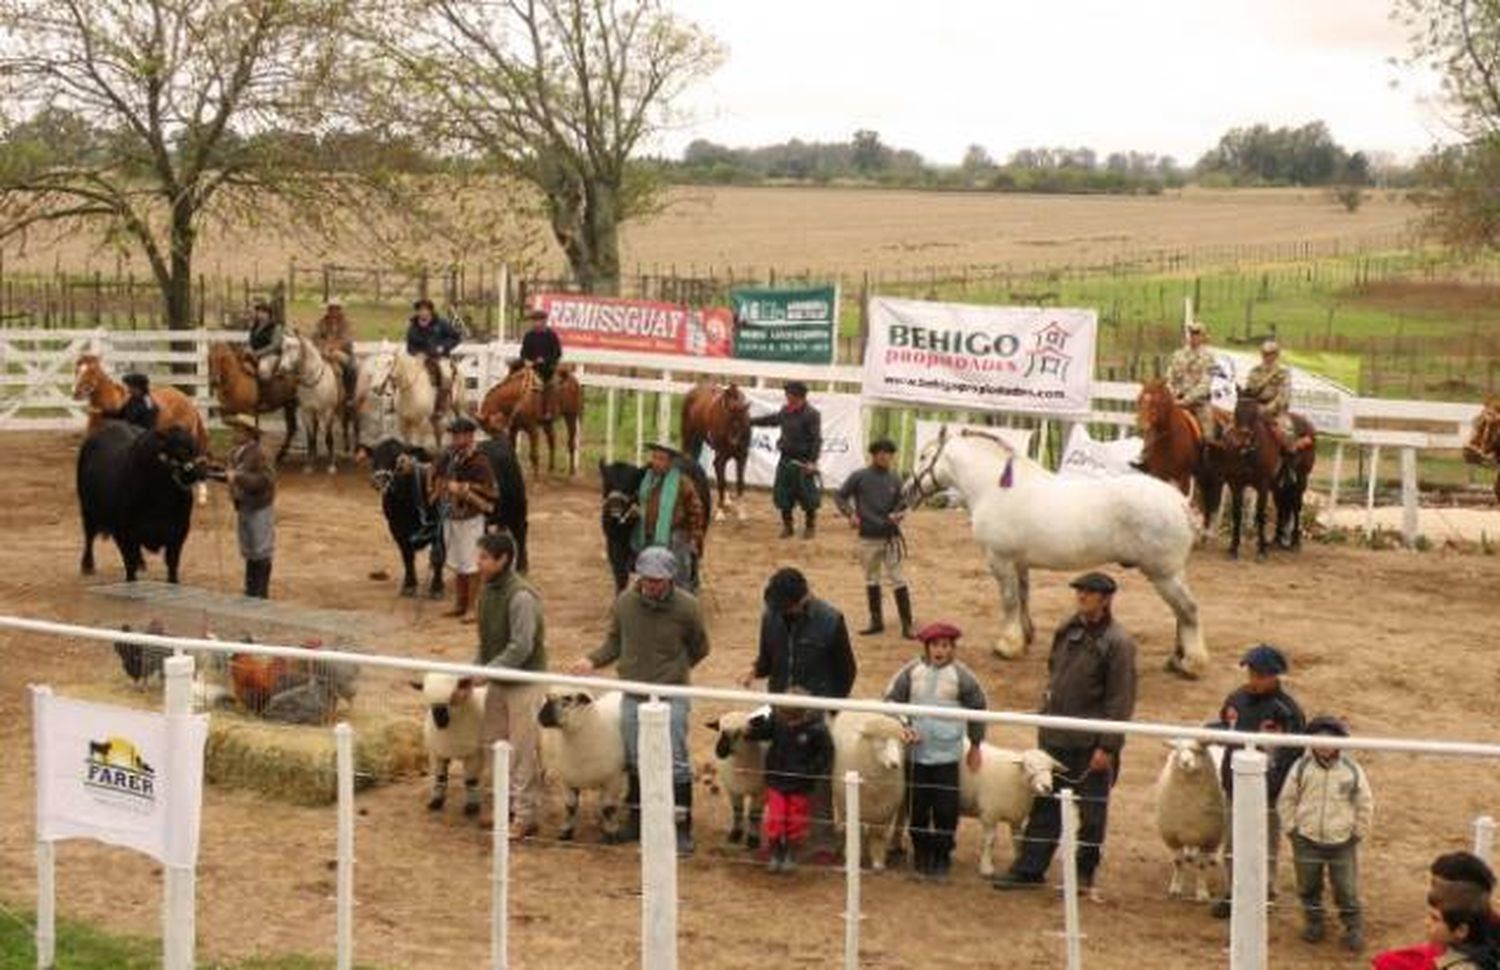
(582, 747)
(739, 767)
(1190, 814)
(872, 745)
(452, 731)
(1000, 792)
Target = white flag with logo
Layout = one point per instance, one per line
(109, 773)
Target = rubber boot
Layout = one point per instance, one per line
(787, 529)
(250, 572)
(630, 830)
(903, 609)
(471, 600)
(811, 528)
(264, 588)
(682, 802)
(460, 596)
(877, 620)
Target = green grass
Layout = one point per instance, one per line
(81, 947)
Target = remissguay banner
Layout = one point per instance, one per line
(641, 326)
(1036, 360)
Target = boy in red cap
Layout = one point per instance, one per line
(937, 679)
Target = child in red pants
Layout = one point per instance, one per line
(801, 752)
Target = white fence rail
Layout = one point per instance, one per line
(659, 862)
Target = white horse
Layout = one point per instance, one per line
(374, 396)
(416, 398)
(1026, 516)
(319, 395)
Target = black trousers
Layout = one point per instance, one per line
(1044, 827)
(934, 811)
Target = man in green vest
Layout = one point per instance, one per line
(511, 635)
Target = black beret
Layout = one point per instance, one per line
(462, 424)
(883, 445)
(140, 381)
(795, 388)
(787, 588)
(1095, 583)
(1327, 724)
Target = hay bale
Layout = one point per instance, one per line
(288, 762)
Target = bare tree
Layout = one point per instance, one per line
(187, 103)
(557, 93)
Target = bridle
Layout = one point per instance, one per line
(306, 377)
(621, 506)
(924, 481)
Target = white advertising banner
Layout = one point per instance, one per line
(1038, 360)
(926, 433)
(1328, 404)
(843, 439)
(1084, 457)
(108, 773)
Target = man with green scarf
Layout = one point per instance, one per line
(672, 514)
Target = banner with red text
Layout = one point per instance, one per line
(638, 326)
(1037, 360)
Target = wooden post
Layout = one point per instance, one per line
(500, 855)
(1484, 837)
(1370, 490)
(1071, 932)
(46, 861)
(180, 889)
(1409, 515)
(658, 839)
(1247, 922)
(343, 739)
(851, 870)
(1335, 479)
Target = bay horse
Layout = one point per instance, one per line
(720, 417)
(238, 389)
(1249, 458)
(1026, 516)
(514, 406)
(175, 409)
(1484, 445)
(1173, 441)
(1291, 483)
(320, 397)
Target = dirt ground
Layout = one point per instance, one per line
(1400, 643)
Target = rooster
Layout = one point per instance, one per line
(141, 663)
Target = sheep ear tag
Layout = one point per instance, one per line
(1008, 477)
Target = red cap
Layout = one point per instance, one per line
(939, 631)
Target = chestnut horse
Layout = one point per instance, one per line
(720, 417)
(174, 409)
(1173, 442)
(239, 391)
(1484, 445)
(515, 405)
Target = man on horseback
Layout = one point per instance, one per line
(138, 409)
(433, 338)
(334, 339)
(797, 470)
(266, 334)
(1190, 378)
(1269, 384)
(541, 348)
(672, 515)
(466, 492)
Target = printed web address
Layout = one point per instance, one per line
(952, 387)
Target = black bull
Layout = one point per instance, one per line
(137, 487)
(412, 517)
(620, 484)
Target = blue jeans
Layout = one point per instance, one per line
(682, 764)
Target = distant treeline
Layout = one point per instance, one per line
(1253, 156)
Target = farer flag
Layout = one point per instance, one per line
(109, 773)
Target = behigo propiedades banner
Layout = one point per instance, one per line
(640, 326)
(1037, 360)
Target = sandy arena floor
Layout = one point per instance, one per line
(1399, 643)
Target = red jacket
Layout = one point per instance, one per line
(1421, 957)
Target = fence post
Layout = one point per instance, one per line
(1071, 932)
(658, 841)
(500, 853)
(343, 741)
(1247, 924)
(640, 425)
(1336, 478)
(664, 409)
(610, 403)
(46, 858)
(1370, 491)
(179, 916)
(1484, 837)
(851, 870)
(1409, 522)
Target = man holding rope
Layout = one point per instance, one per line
(871, 500)
(801, 443)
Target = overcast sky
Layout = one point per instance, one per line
(1165, 76)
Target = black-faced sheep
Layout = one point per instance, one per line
(739, 768)
(451, 731)
(582, 747)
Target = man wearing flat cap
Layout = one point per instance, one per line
(1261, 704)
(871, 499)
(672, 513)
(657, 636)
(252, 487)
(1090, 674)
(1190, 379)
(541, 348)
(464, 488)
(801, 444)
(138, 408)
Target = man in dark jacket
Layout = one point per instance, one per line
(871, 500)
(1090, 674)
(266, 335)
(1260, 705)
(138, 409)
(252, 486)
(433, 338)
(542, 349)
(801, 444)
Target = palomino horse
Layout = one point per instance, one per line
(238, 389)
(719, 416)
(320, 397)
(1173, 440)
(1024, 516)
(1249, 458)
(1484, 445)
(515, 405)
(174, 409)
(416, 398)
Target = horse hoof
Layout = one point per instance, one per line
(408, 592)
(1174, 665)
(435, 594)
